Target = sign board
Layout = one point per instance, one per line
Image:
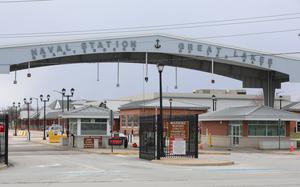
(1, 128)
(179, 147)
(115, 141)
(88, 143)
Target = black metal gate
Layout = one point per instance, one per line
(147, 135)
(180, 137)
(4, 138)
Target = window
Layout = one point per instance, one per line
(123, 121)
(298, 126)
(93, 126)
(265, 128)
(133, 120)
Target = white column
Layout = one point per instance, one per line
(108, 127)
(78, 126)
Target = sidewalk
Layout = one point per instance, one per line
(229, 150)
(192, 162)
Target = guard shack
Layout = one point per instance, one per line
(89, 127)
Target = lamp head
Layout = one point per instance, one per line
(213, 97)
(24, 100)
(41, 97)
(48, 97)
(19, 104)
(160, 67)
(14, 104)
(170, 100)
(63, 91)
(72, 91)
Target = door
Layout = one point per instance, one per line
(235, 135)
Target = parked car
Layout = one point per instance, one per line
(56, 128)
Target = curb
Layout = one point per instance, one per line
(193, 163)
(214, 153)
(3, 166)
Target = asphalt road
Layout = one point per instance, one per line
(45, 165)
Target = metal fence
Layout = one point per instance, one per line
(4, 138)
(180, 137)
(147, 135)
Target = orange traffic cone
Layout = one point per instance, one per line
(292, 147)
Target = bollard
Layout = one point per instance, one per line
(292, 147)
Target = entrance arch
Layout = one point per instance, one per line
(254, 69)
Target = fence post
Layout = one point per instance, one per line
(196, 138)
(6, 138)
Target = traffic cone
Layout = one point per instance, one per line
(292, 147)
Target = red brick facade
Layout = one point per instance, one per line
(129, 117)
(221, 128)
(214, 127)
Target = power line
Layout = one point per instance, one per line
(151, 28)
(249, 34)
(23, 1)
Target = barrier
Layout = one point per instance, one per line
(55, 138)
(22, 133)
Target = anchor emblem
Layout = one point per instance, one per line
(157, 45)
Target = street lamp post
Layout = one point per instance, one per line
(160, 123)
(68, 104)
(16, 117)
(45, 101)
(280, 100)
(28, 115)
(170, 100)
(214, 102)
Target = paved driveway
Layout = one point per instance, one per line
(45, 165)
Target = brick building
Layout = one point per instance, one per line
(248, 126)
(130, 113)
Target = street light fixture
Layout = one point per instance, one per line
(160, 68)
(28, 115)
(214, 102)
(16, 107)
(72, 90)
(45, 101)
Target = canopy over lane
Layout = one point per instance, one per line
(255, 69)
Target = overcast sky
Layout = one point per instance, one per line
(70, 15)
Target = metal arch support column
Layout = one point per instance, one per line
(269, 87)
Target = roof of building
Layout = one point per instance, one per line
(250, 113)
(87, 112)
(154, 103)
(294, 106)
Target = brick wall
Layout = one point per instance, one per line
(214, 127)
(151, 111)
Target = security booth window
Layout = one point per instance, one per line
(298, 127)
(93, 127)
(73, 126)
(265, 128)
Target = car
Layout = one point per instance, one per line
(56, 128)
